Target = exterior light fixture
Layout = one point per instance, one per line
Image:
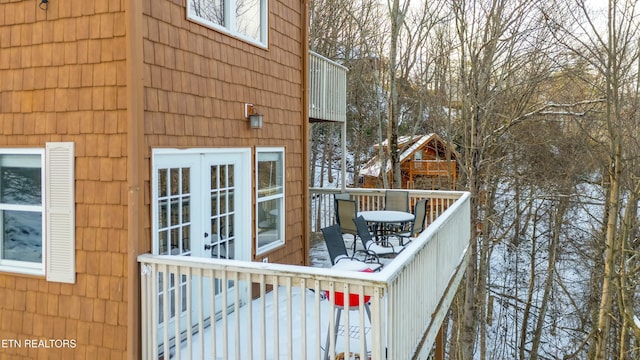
(251, 113)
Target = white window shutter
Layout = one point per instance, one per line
(60, 212)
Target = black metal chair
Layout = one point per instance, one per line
(346, 210)
(338, 251)
(419, 222)
(396, 200)
(370, 246)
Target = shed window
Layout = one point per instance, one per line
(245, 19)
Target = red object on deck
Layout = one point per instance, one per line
(354, 299)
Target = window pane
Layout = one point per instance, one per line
(270, 171)
(248, 18)
(22, 236)
(269, 222)
(20, 185)
(209, 10)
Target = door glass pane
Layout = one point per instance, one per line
(223, 176)
(214, 177)
(222, 217)
(174, 211)
(230, 177)
(162, 238)
(175, 181)
(186, 210)
(223, 202)
(162, 182)
(163, 213)
(185, 180)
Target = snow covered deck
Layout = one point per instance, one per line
(207, 310)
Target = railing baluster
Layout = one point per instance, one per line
(249, 311)
(263, 325)
(236, 310)
(212, 311)
(276, 317)
(225, 315)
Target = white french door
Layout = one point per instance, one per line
(202, 208)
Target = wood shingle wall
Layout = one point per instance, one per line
(197, 80)
(63, 77)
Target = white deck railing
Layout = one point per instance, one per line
(327, 89)
(322, 205)
(409, 299)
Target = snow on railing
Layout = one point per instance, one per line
(195, 308)
(327, 89)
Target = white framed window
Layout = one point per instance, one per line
(245, 19)
(37, 211)
(270, 202)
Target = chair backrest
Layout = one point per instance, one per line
(339, 196)
(420, 213)
(363, 231)
(335, 244)
(346, 211)
(397, 200)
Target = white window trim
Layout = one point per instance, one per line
(25, 267)
(58, 214)
(230, 30)
(278, 243)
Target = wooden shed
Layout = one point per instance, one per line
(427, 162)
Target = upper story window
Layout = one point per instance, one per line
(245, 19)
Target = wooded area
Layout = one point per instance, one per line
(541, 99)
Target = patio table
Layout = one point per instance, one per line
(382, 219)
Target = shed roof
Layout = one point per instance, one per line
(408, 145)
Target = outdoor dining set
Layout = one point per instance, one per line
(376, 233)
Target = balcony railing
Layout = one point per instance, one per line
(213, 308)
(327, 89)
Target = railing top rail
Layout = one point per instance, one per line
(313, 53)
(267, 269)
(440, 194)
(394, 268)
(435, 161)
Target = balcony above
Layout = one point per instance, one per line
(327, 89)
